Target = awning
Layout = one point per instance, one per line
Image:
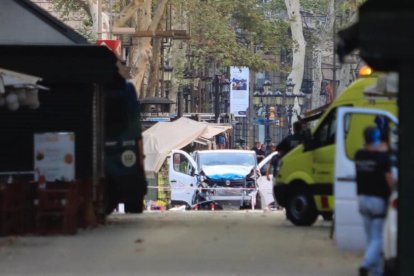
(14, 79)
(63, 64)
(214, 129)
(18, 89)
(163, 137)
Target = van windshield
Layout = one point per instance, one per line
(228, 158)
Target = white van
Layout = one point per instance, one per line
(219, 178)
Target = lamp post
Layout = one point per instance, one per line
(187, 95)
(221, 91)
(216, 84)
(301, 98)
(289, 102)
(225, 91)
(268, 101)
(167, 75)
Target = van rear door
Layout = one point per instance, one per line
(266, 186)
(349, 231)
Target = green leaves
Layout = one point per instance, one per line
(234, 32)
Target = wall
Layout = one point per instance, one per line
(19, 26)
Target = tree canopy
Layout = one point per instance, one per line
(234, 32)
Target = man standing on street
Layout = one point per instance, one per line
(258, 148)
(272, 165)
(272, 169)
(374, 181)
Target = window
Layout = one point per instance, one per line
(355, 125)
(181, 163)
(228, 158)
(325, 134)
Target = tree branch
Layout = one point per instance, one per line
(158, 15)
(127, 12)
(84, 5)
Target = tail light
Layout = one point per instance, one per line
(325, 202)
(394, 203)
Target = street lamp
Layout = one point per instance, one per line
(301, 98)
(267, 96)
(289, 85)
(225, 91)
(289, 102)
(221, 90)
(216, 83)
(187, 97)
(258, 102)
(279, 97)
(167, 75)
(267, 92)
(167, 71)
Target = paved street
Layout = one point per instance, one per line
(182, 243)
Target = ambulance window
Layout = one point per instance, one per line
(354, 127)
(393, 137)
(347, 122)
(325, 135)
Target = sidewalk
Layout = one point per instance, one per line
(183, 243)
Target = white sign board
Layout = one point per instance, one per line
(54, 155)
(239, 91)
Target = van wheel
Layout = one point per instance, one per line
(201, 202)
(301, 209)
(175, 203)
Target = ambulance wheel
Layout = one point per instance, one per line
(300, 209)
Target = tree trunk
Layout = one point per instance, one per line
(128, 12)
(299, 50)
(346, 76)
(143, 50)
(140, 54)
(93, 6)
(316, 77)
(323, 47)
(154, 76)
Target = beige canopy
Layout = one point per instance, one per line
(16, 79)
(163, 137)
